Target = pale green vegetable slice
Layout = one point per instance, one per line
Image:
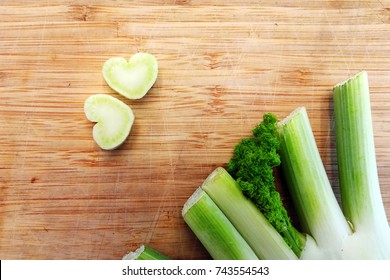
(133, 78)
(217, 234)
(114, 120)
(145, 252)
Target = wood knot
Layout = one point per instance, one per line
(214, 60)
(216, 103)
(183, 2)
(81, 12)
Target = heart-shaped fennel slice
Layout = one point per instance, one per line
(133, 78)
(114, 120)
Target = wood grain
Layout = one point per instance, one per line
(222, 65)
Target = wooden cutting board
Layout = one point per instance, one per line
(221, 67)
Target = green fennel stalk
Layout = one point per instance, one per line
(253, 226)
(318, 210)
(359, 183)
(214, 230)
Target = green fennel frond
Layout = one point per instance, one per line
(252, 167)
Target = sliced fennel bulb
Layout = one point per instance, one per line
(357, 230)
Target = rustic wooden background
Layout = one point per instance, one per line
(222, 64)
